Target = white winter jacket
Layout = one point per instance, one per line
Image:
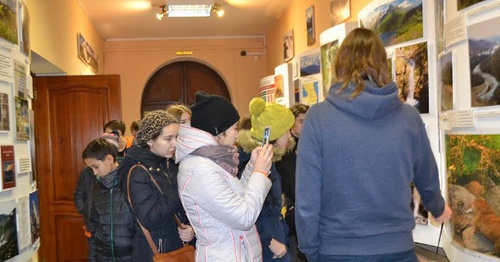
(221, 208)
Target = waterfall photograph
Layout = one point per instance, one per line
(412, 76)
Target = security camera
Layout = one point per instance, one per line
(243, 53)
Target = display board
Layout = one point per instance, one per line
(19, 206)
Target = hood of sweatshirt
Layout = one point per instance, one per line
(373, 103)
(190, 139)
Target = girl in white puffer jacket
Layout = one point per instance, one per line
(222, 209)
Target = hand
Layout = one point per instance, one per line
(186, 233)
(278, 249)
(263, 158)
(255, 154)
(446, 214)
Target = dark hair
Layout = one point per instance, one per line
(134, 126)
(361, 57)
(98, 149)
(115, 125)
(245, 123)
(298, 109)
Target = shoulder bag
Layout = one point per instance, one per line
(184, 254)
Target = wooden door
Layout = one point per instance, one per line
(178, 82)
(70, 111)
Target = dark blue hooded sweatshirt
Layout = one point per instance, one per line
(356, 160)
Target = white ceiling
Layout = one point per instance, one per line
(119, 19)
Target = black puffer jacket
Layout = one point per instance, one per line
(113, 224)
(154, 210)
(286, 168)
(83, 194)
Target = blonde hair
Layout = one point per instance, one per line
(177, 110)
(361, 57)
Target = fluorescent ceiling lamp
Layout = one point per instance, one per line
(191, 8)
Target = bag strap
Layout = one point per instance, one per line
(144, 230)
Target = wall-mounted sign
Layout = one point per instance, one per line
(183, 53)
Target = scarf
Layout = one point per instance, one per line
(109, 180)
(224, 156)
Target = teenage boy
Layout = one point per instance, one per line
(111, 220)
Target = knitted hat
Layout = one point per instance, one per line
(213, 114)
(151, 126)
(278, 117)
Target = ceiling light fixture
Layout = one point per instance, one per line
(196, 8)
(162, 14)
(217, 9)
(191, 8)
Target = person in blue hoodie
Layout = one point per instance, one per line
(358, 154)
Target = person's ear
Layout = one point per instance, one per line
(150, 142)
(109, 158)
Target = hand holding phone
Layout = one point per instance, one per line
(267, 134)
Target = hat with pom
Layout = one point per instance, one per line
(213, 114)
(152, 125)
(278, 117)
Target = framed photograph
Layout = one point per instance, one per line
(8, 167)
(8, 234)
(8, 23)
(405, 17)
(25, 35)
(472, 177)
(288, 46)
(86, 53)
(4, 113)
(340, 10)
(412, 75)
(34, 206)
(311, 35)
(328, 54)
(484, 54)
(22, 119)
(310, 62)
(461, 4)
(446, 86)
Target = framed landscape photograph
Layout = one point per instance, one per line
(8, 21)
(311, 35)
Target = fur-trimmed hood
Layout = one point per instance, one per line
(248, 143)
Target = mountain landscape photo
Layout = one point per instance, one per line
(396, 21)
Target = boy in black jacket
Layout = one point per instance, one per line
(111, 222)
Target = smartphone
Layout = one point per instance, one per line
(267, 134)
